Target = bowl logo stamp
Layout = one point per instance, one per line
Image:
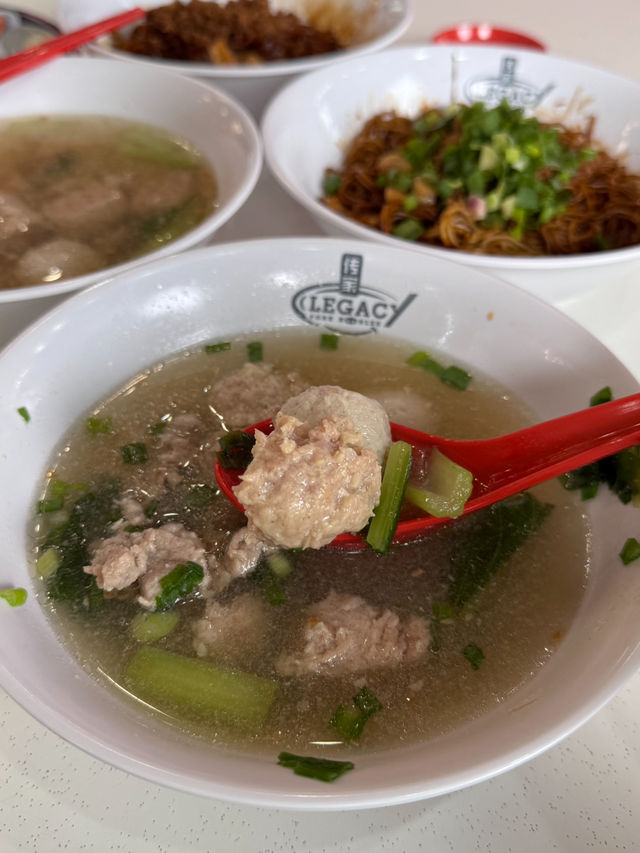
(347, 306)
(506, 87)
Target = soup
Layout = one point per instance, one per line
(439, 652)
(80, 194)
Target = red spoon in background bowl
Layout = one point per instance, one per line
(31, 57)
(501, 466)
(485, 34)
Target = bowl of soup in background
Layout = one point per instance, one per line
(363, 27)
(109, 337)
(219, 131)
(328, 108)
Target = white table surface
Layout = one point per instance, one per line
(582, 795)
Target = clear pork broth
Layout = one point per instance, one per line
(79, 194)
(516, 620)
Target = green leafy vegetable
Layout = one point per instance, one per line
(89, 520)
(349, 720)
(235, 449)
(180, 582)
(201, 495)
(322, 769)
(630, 551)
(492, 537)
(15, 597)
(160, 426)
(24, 413)
(441, 612)
(199, 688)
(394, 482)
(474, 655)
(135, 453)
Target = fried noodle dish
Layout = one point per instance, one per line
(486, 180)
(242, 31)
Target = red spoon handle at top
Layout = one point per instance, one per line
(31, 57)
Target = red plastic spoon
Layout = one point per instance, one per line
(504, 465)
(31, 57)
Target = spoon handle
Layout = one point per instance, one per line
(522, 459)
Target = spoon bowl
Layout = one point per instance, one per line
(501, 466)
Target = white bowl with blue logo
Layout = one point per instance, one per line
(96, 341)
(308, 125)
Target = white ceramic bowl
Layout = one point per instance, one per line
(384, 21)
(95, 341)
(219, 127)
(307, 125)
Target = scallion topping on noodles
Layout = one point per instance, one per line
(489, 180)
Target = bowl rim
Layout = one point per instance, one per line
(218, 217)
(266, 69)
(314, 80)
(300, 799)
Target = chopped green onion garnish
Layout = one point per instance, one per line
(349, 721)
(323, 769)
(408, 229)
(630, 551)
(48, 562)
(14, 597)
(410, 203)
(331, 183)
(99, 426)
(254, 351)
(24, 413)
(604, 395)
(441, 612)
(134, 453)
(455, 377)
(235, 449)
(150, 627)
(178, 583)
(394, 481)
(280, 564)
(328, 341)
(221, 347)
(270, 582)
(159, 427)
(474, 655)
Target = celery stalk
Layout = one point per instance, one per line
(198, 688)
(445, 490)
(385, 516)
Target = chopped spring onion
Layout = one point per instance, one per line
(134, 453)
(51, 504)
(99, 426)
(235, 449)
(24, 414)
(161, 425)
(408, 229)
(48, 562)
(329, 341)
(474, 655)
(322, 769)
(331, 183)
(180, 581)
(604, 395)
(445, 489)
(630, 551)
(254, 351)
(441, 612)
(394, 481)
(14, 597)
(150, 627)
(453, 376)
(199, 688)
(280, 564)
(270, 583)
(221, 347)
(349, 720)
